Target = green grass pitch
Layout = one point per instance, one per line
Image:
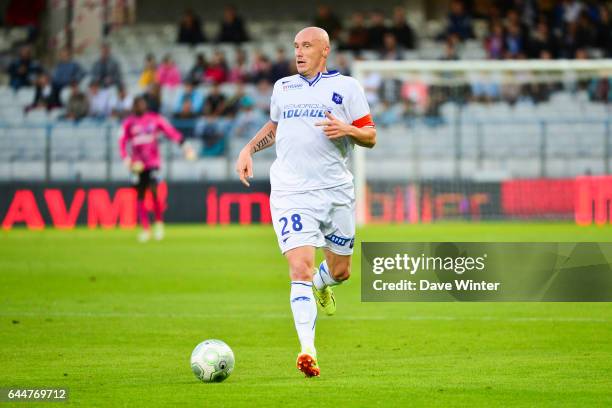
(115, 321)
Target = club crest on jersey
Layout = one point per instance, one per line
(337, 98)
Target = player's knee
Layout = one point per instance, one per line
(300, 270)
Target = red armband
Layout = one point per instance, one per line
(364, 121)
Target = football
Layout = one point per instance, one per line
(212, 361)
(137, 167)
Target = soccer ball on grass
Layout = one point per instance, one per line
(212, 361)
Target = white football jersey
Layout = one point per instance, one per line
(305, 158)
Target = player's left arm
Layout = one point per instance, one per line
(173, 134)
(361, 128)
(362, 132)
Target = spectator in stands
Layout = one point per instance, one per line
(184, 117)
(233, 103)
(565, 12)
(190, 93)
(511, 91)
(249, 119)
(263, 95)
(239, 72)
(593, 9)
(147, 77)
(485, 88)
(401, 29)
(216, 72)
(569, 41)
(211, 126)
(377, 31)
(106, 71)
(196, 73)
(262, 70)
(222, 58)
(258, 60)
(280, 67)
(232, 29)
(514, 43)
(44, 95)
(153, 97)
(99, 101)
(600, 90)
(78, 106)
(604, 31)
(357, 36)
(459, 21)
(581, 54)
(328, 21)
(493, 13)
(66, 71)
(495, 42)
(168, 74)
(214, 105)
(528, 12)
(391, 51)
(121, 103)
(540, 40)
(342, 64)
(586, 32)
(185, 111)
(450, 50)
(514, 19)
(190, 29)
(545, 55)
(24, 70)
(387, 114)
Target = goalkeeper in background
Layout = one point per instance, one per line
(139, 149)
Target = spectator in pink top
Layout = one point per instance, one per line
(494, 43)
(168, 74)
(240, 71)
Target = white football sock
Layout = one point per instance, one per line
(304, 311)
(323, 278)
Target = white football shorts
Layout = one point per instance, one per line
(321, 218)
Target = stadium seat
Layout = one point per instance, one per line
(37, 116)
(26, 143)
(27, 170)
(25, 96)
(63, 146)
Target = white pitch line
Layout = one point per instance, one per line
(288, 316)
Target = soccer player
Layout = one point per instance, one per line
(140, 134)
(316, 116)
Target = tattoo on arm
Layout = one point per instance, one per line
(264, 142)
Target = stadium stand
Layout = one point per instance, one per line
(492, 123)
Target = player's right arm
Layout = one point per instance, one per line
(263, 139)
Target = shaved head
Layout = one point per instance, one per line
(314, 33)
(311, 50)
